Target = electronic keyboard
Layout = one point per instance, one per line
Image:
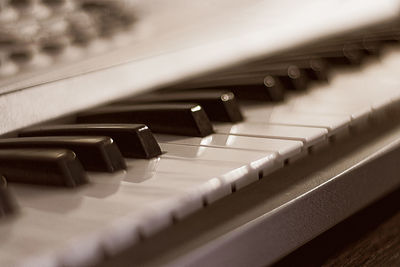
(151, 134)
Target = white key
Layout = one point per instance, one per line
(198, 175)
(269, 115)
(375, 84)
(285, 148)
(309, 136)
(258, 161)
(363, 96)
(38, 237)
(112, 202)
(358, 113)
(179, 178)
(98, 210)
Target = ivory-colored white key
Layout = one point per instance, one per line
(38, 237)
(308, 135)
(111, 201)
(358, 91)
(284, 148)
(357, 112)
(187, 152)
(175, 175)
(370, 83)
(269, 115)
(94, 209)
(176, 183)
(102, 203)
(358, 97)
(200, 175)
(201, 165)
(258, 161)
(361, 95)
(375, 87)
(381, 82)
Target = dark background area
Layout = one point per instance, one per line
(371, 237)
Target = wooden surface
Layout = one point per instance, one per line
(369, 238)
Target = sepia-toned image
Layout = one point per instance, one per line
(199, 133)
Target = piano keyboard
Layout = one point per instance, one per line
(86, 188)
(57, 226)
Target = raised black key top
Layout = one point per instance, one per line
(54, 167)
(219, 106)
(295, 78)
(372, 47)
(270, 90)
(265, 88)
(133, 140)
(290, 75)
(342, 55)
(316, 69)
(178, 119)
(96, 153)
(7, 203)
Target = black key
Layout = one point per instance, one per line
(267, 88)
(334, 54)
(96, 153)
(313, 67)
(290, 75)
(178, 119)
(270, 90)
(8, 205)
(372, 47)
(54, 167)
(133, 140)
(343, 55)
(219, 106)
(316, 69)
(294, 78)
(355, 53)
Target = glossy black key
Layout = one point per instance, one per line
(96, 153)
(178, 119)
(316, 69)
(271, 90)
(294, 78)
(372, 47)
(334, 53)
(219, 105)
(8, 205)
(268, 88)
(133, 140)
(290, 75)
(342, 54)
(53, 167)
